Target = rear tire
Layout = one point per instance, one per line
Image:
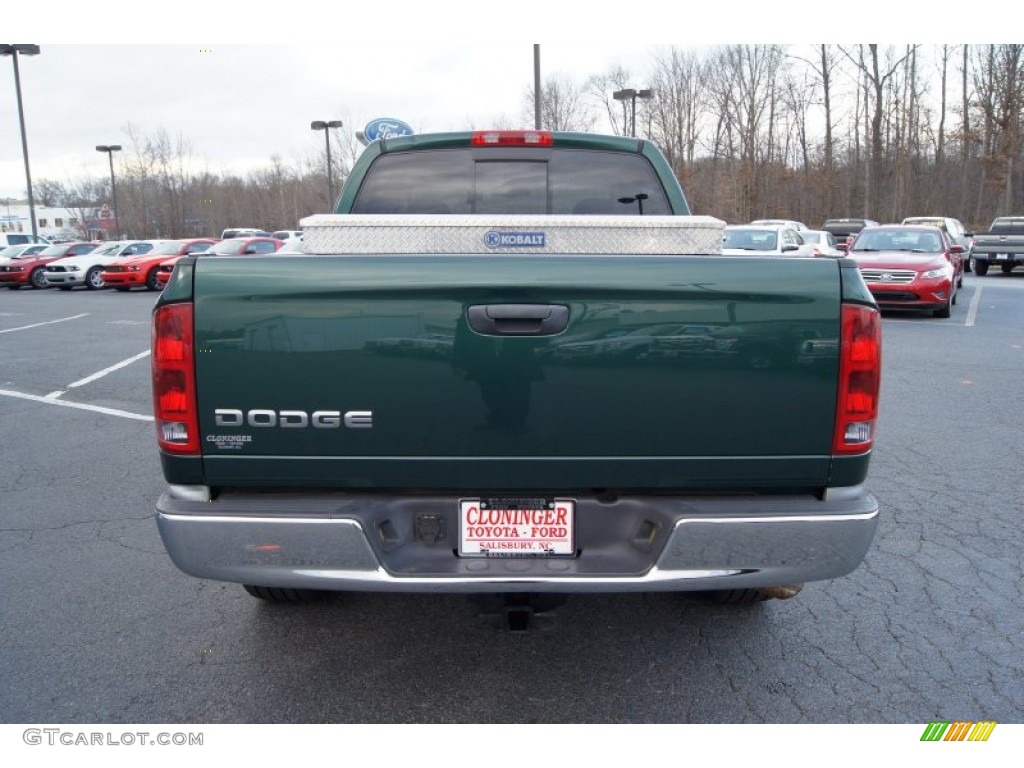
(1007, 268)
(151, 282)
(286, 594)
(981, 268)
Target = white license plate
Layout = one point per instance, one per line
(1002, 256)
(517, 527)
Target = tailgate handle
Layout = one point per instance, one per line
(518, 319)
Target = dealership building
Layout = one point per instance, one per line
(57, 223)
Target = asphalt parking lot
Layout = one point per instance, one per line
(100, 627)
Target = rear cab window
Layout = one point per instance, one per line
(534, 181)
(1008, 226)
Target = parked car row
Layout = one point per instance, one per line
(140, 271)
(29, 268)
(769, 237)
(123, 264)
(86, 269)
(916, 265)
(236, 246)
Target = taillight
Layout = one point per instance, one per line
(174, 379)
(512, 139)
(860, 373)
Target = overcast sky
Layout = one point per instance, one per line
(240, 104)
(248, 87)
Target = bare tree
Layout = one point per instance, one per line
(745, 79)
(999, 85)
(799, 93)
(600, 89)
(966, 137)
(563, 106)
(876, 75)
(940, 148)
(680, 105)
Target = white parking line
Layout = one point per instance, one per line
(80, 406)
(972, 311)
(48, 322)
(98, 375)
(110, 369)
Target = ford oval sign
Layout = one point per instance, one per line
(386, 128)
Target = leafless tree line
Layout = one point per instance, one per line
(160, 192)
(815, 132)
(752, 130)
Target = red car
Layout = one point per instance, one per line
(29, 270)
(235, 246)
(141, 271)
(910, 267)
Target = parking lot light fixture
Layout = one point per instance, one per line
(110, 149)
(631, 95)
(12, 50)
(325, 126)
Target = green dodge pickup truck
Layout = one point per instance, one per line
(514, 362)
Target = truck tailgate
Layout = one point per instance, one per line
(671, 372)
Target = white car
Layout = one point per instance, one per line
(14, 252)
(291, 244)
(87, 269)
(821, 243)
(286, 234)
(232, 232)
(766, 240)
(797, 225)
(18, 238)
(18, 251)
(957, 233)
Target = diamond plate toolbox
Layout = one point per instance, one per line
(363, 234)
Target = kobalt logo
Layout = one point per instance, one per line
(266, 417)
(514, 239)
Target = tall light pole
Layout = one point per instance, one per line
(631, 95)
(325, 126)
(536, 88)
(26, 50)
(110, 149)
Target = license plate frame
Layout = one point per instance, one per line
(543, 527)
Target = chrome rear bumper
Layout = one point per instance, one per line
(638, 543)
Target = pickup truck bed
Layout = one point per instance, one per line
(1002, 245)
(693, 460)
